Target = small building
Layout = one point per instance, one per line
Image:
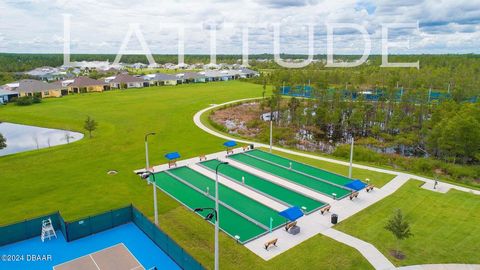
(158, 79)
(84, 84)
(124, 81)
(31, 88)
(7, 95)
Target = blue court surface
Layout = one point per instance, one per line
(60, 251)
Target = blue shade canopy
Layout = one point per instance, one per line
(292, 213)
(356, 185)
(172, 155)
(230, 144)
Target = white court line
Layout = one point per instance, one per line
(98, 267)
(139, 264)
(86, 255)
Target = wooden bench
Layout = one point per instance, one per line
(202, 157)
(353, 195)
(272, 242)
(369, 188)
(229, 151)
(326, 208)
(290, 225)
(246, 147)
(172, 164)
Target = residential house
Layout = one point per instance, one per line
(215, 75)
(37, 88)
(47, 73)
(248, 73)
(138, 65)
(191, 77)
(123, 81)
(84, 84)
(6, 95)
(161, 79)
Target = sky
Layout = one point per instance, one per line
(37, 26)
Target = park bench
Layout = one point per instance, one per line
(353, 195)
(272, 242)
(202, 157)
(326, 208)
(172, 164)
(369, 187)
(290, 225)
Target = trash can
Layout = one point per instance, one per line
(334, 218)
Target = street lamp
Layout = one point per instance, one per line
(145, 175)
(146, 150)
(215, 211)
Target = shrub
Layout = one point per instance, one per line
(24, 101)
(36, 99)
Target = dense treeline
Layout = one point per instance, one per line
(458, 73)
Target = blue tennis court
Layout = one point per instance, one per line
(35, 254)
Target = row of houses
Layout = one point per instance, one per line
(82, 84)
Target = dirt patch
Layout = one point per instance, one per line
(241, 119)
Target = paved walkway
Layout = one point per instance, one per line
(313, 224)
(450, 266)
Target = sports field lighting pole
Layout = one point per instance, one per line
(351, 160)
(216, 210)
(145, 175)
(146, 150)
(271, 131)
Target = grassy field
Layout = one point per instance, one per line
(73, 178)
(445, 226)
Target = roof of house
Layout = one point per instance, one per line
(83, 81)
(190, 75)
(248, 71)
(4, 92)
(126, 78)
(161, 77)
(31, 86)
(221, 73)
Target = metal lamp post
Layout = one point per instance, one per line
(214, 211)
(351, 159)
(145, 175)
(147, 163)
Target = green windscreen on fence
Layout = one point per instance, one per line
(94, 224)
(26, 229)
(180, 256)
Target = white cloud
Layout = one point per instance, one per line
(100, 26)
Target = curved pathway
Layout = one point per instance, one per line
(373, 255)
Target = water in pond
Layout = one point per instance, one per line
(22, 138)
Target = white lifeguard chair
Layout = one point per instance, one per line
(47, 230)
